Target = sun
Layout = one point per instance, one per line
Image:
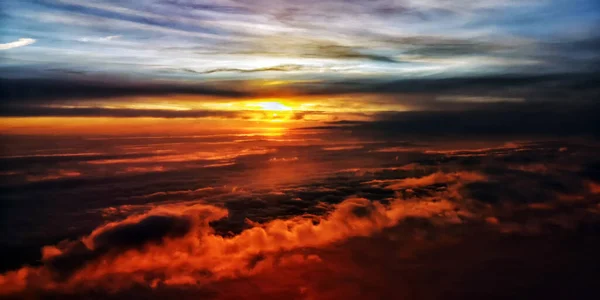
(271, 111)
(273, 106)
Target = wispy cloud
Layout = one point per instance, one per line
(395, 38)
(99, 39)
(18, 43)
(279, 68)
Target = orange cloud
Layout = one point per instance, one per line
(175, 245)
(435, 178)
(341, 148)
(53, 175)
(594, 187)
(283, 159)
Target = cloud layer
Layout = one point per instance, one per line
(417, 199)
(166, 39)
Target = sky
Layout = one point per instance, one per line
(279, 149)
(193, 40)
(314, 60)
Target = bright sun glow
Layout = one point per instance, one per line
(273, 106)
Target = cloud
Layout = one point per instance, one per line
(118, 113)
(99, 39)
(476, 99)
(278, 68)
(440, 200)
(335, 51)
(357, 38)
(470, 105)
(435, 178)
(153, 229)
(34, 91)
(507, 85)
(18, 43)
(313, 48)
(171, 243)
(53, 175)
(535, 118)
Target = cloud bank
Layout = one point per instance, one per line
(442, 204)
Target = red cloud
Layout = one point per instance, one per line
(435, 178)
(179, 255)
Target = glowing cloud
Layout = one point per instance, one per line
(275, 106)
(175, 245)
(18, 43)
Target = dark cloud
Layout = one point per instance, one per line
(149, 230)
(507, 85)
(17, 162)
(43, 90)
(427, 93)
(74, 255)
(316, 49)
(436, 46)
(20, 111)
(496, 119)
(278, 68)
(592, 171)
(344, 52)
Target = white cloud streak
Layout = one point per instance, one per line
(99, 39)
(18, 43)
